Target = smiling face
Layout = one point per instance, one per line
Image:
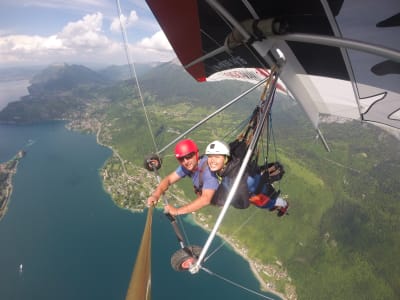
(216, 162)
(189, 161)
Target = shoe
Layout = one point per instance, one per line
(283, 210)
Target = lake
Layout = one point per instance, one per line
(12, 90)
(74, 243)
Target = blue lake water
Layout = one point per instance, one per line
(12, 90)
(74, 243)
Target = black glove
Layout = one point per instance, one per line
(276, 171)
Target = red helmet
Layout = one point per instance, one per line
(185, 147)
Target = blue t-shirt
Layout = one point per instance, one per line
(210, 181)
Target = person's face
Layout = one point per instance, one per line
(216, 162)
(189, 161)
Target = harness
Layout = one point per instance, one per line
(198, 189)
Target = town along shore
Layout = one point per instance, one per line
(7, 171)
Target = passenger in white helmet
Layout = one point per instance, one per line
(226, 168)
(252, 188)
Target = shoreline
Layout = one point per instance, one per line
(263, 285)
(194, 217)
(7, 183)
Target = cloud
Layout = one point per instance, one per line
(84, 35)
(155, 48)
(22, 48)
(82, 41)
(127, 22)
(156, 42)
(77, 5)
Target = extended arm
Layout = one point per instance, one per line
(162, 188)
(199, 202)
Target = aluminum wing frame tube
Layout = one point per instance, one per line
(196, 267)
(220, 9)
(389, 53)
(344, 52)
(208, 55)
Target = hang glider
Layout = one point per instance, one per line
(342, 58)
(334, 57)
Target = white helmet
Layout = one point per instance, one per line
(218, 147)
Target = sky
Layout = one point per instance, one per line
(44, 32)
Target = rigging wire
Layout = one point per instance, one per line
(140, 283)
(187, 240)
(237, 130)
(271, 138)
(214, 113)
(208, 271)
(133, 74)
(233, 234)
(272, 80)
(240, 127)
(272, 135)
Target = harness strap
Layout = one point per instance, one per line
(198, 190)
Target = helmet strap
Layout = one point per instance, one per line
(197, 160)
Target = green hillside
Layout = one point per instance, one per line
(340, 240)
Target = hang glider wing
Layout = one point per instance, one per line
(341, 57)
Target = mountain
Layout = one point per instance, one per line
(54, 93)
(64, 77)
(118, 73)
(58, 90)
(171, 83)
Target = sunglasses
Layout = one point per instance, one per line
(187, 156)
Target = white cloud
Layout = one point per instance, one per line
(22, 49)
(133, 17)
(78, 5)
(83, 42)
(157, 42)
(127, 22)
(84, 35)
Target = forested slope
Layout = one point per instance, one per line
(340, 240)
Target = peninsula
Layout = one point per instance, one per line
(7, 171)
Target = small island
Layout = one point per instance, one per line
(7, 171)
